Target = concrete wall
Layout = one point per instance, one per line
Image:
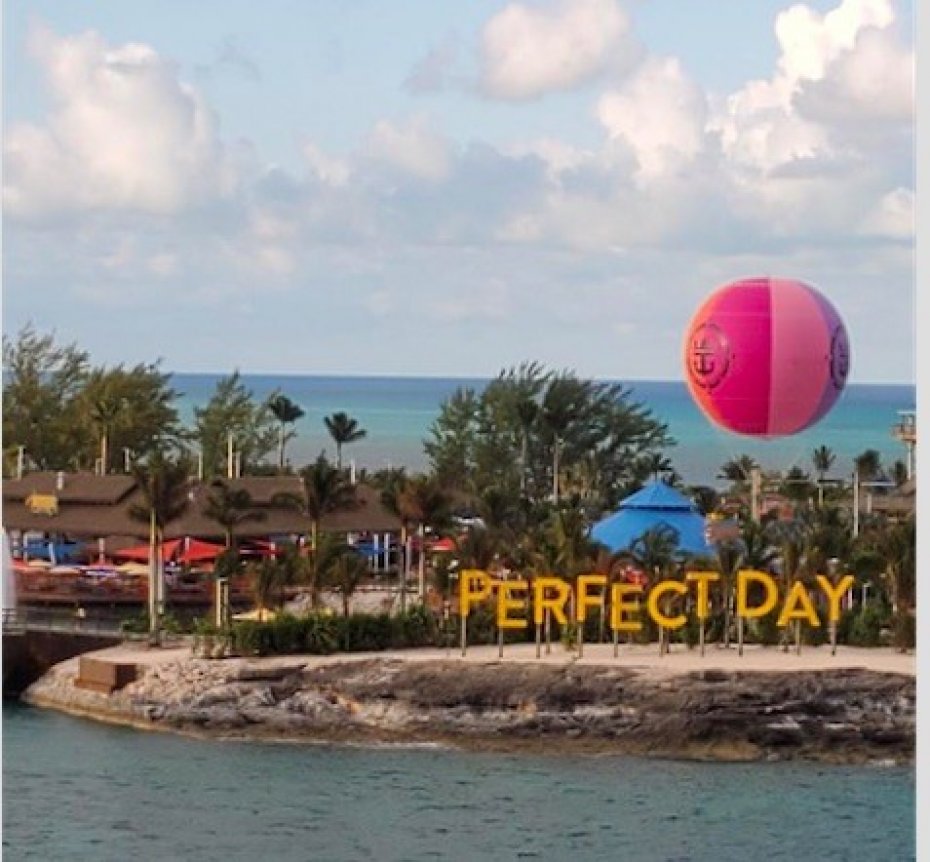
(28, 655)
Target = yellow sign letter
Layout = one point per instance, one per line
(744, 578)
(798, 606)
(652, 603)
(506, 603)
(469, 596)
(703, 581)
(619, 607)
(834, 594)
(555, 603)
(585, 599)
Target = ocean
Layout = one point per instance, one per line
(77, 790)
(397, 413)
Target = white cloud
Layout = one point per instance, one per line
(528, 51)
(330, 170)
(893, 217)
(660, 114)
(122, 133)
(413, 147)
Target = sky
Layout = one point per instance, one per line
(360, 187)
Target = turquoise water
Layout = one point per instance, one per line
(397, 413)
(77, 790)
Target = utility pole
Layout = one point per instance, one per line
(755, 480)
(855, 528)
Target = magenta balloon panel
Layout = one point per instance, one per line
(766, 357)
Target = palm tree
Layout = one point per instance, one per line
(104, 411)
(163, 484)
(739, 470)
(230, 507)
(562, 404)
(287, 413)
(267, 579)
(393, 482)
(729, 560)
(654, 552)
(656, 464)
(326, 489)
(527, 413)
(343, 429)
(823, 459)
(898, 546)
(424, 503)
(345, 573)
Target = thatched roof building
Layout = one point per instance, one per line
(87, 506)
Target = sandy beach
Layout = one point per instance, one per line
(643, 659)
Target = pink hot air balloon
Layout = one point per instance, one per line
(766, 356)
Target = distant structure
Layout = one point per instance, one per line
(906, 431)
(9, 579)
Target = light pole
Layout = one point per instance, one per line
(832, 564)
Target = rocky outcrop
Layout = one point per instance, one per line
(838, 715)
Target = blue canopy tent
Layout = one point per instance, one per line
(649, 508)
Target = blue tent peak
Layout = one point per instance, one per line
(658, 495)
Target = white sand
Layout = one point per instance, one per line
(645, 659)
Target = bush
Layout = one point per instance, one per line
(905, 630)
(867, 625)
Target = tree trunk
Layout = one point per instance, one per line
(153, 580)
(524, 445)
(555, 470)
(281, 448)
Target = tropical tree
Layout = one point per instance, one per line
(324, 489)
(230, 508)
(897, 544)
(285, 412)
(425, 503)
(343, 429)
(232, 415)
(823, 459)
(345, 573)
(129, 409)
(42, 382)
(451, 445)
(163, 483)
(730, 557)
(738, 470)
(655, 552)
(544, 434)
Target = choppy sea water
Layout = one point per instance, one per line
(397, 413)
(77, 790)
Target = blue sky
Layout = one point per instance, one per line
(423, 188)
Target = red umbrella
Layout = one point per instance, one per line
(179, 550)
(197, 551)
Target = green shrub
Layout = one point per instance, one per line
(905, 630)
(866, 628)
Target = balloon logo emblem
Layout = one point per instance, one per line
(710, 356)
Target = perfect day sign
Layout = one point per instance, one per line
(555, 596)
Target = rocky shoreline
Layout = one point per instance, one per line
(842, 715)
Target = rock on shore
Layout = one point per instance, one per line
(840, 715)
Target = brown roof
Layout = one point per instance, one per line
(78, 517)
(76, 487)
(368, 516)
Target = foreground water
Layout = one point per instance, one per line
(74, 789)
